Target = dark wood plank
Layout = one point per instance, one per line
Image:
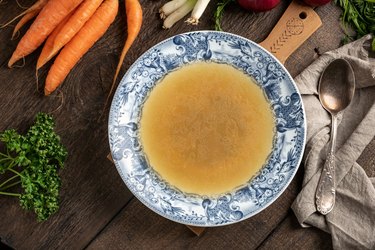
(159, 232)
(290, 235)
(137, 226)
(326, 38)
(4, 247)
(92, 191)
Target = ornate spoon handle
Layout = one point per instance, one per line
(326, 192)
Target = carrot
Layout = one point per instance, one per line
(134, 22)
(66, 30)
(46, 53)
(27, 17)
(49, 17)
(75, 23)
(36, 6)
(72, 52)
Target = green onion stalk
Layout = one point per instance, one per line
(175, 10)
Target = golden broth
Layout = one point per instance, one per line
(207, 128)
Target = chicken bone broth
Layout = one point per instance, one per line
(207, 128)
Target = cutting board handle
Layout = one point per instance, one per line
(296, 25)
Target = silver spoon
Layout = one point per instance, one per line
(336, 90)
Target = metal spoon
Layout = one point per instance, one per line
(336, 90)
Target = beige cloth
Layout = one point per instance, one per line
(352, 221)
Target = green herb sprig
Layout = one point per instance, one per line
(219, 12)
(359, 14)
(32, 162)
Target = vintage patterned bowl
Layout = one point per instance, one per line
(251, 197)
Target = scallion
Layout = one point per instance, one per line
(178, 14)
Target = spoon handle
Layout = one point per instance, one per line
(326, 192)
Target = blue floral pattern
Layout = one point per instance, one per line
(246, 200)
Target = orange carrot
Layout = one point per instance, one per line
(36, 6)
(27, 17)
(75, 23)
(49, 17)
(72, 52)
(46, 53)
(134, 22)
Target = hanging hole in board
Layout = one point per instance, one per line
(303, 15)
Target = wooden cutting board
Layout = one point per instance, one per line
(297, 24)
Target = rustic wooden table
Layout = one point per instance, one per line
(97, 210)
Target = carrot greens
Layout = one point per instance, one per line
(31, 161)
(359, 14)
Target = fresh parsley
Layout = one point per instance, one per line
(32, 162)
(359, 14)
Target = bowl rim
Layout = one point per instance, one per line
(261, 208)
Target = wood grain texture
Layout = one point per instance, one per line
(120, 233)
(296, 25)
(92, 191)
(290, 235)
(4, 247)
(140, 228)
(326, 38)
(96, 207)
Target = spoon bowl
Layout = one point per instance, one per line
(336, 86)
(336, 91)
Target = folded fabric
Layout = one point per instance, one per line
(352, 221)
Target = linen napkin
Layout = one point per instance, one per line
(352, 221)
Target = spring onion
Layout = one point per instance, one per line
(178, 14)
(175, 10)
(170, 7)
(198, 10)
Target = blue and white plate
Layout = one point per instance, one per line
(253, 196)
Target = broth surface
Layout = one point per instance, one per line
(207, 128)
